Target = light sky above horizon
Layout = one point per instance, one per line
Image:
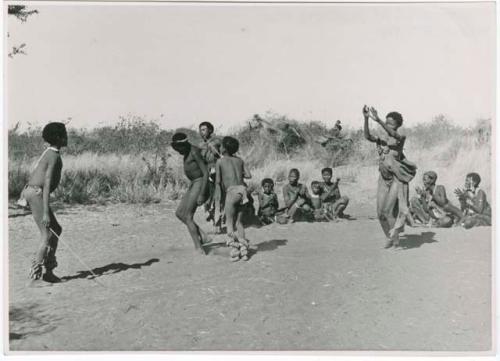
(224, 63)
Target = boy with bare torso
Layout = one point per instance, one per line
(43, 180)
(230, 171)
(196, 171)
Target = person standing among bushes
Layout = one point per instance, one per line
(230, 174)
(395, 174)
(431, 206)
(210, 152)
(44, 179)
(196, 171)
(473, 202)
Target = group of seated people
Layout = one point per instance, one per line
(431, 206)
(324, 203)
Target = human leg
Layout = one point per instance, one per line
(185, 213)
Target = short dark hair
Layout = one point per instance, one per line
(397, 117)
(315, 183)
(209, 125)
(230, 144)
(267, 181)
(431, 174)
(327, 170)
(294, 170)
(476, 178)
(179, 137)
(53, 131)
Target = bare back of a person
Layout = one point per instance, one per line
(37, 176)
(191, 167)
(232, 171)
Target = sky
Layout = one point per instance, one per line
(187, 63)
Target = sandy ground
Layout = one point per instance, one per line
(306, 287)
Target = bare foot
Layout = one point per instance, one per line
(388, 243)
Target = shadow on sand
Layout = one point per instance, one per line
(109, 269)
(415, 241)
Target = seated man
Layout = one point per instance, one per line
(473, 202)
(432, 207)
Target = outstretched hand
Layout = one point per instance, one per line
(366, 111)
(374, 114)
(419, 191)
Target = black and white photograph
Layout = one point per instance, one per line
(249, 176)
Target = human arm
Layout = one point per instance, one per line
(439, 196)
(368, 135)
(204, 171)
(289, 200)
(49, 173)
(246, 172)
(478, 203)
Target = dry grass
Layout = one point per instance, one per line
(99, 175)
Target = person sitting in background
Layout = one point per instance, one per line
(431, 206)
(268, 202)
(330, 195)
(319, 210)
(297, 198)
(473, 202)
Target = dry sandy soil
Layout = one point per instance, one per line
(306, 287)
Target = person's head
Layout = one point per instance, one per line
(429, 178)
(55, 134)
(293, 176)
(180, 143)
(394, 120)
(315, 188)
(327, 174)
(472, 180)
(230, 145)
(267, 185)
(206, 130)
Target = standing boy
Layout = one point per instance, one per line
(210, 152)
(230, 172)
(196, 171)
(43, 180)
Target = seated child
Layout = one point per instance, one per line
(320, 212)
(432, 206)
(268, 202)
(297, 198)
(230, 171)
(330, 195)
(473, 202)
